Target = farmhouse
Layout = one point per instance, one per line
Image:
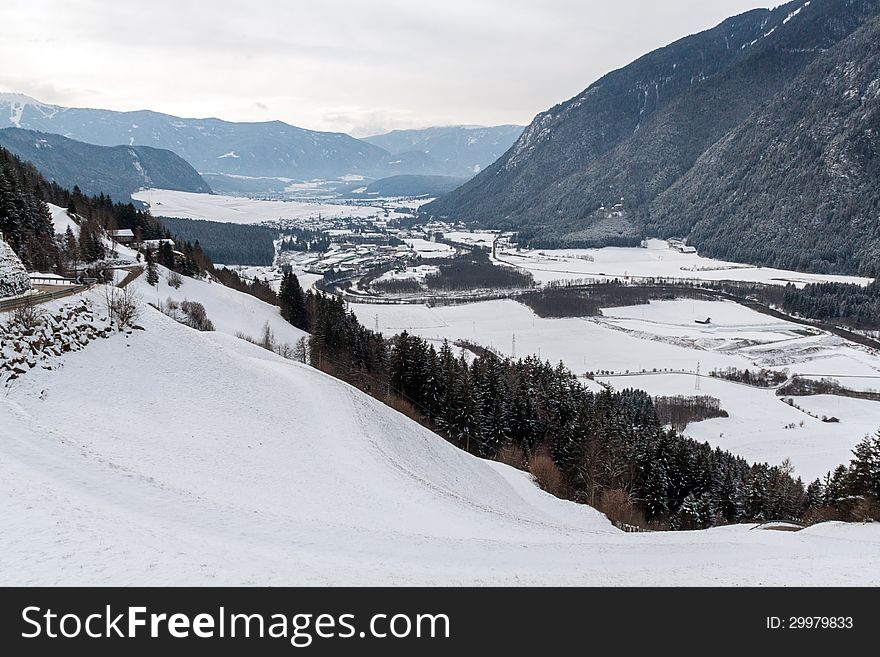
(123, 236)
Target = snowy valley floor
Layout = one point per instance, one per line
(172, 457)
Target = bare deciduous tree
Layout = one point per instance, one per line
(123, 305)
(27, 317)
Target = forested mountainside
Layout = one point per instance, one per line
(459, 150)
(590, 170)
(117, 171)
(797, 186)
(26, 222)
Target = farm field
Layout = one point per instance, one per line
(658, 260)
(243, 210)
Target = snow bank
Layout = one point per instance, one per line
(69, 327)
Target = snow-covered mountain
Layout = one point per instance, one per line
(170, 456)
(272, 148)
(211, 145)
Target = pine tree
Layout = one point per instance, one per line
(152, 272)
(292, 301)
(864, 472)
(166, 255)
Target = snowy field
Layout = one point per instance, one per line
(211, 461)
(656, 261)
(417, 273)
(663, 336)
(428, 249)
(242, 210)
(582, 344)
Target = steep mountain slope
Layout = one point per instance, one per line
(457, 150)
(117, 171)
(210, 145)
(636, 131)
(797, 185)
(208, 460)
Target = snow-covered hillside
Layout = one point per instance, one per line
(115, 252)
(170, 456)
(230, 311)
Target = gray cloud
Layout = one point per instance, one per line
(345, 65)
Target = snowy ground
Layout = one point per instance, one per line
(170, 456)
(656, 261)
(427, 249)
(583, 345)
(663, 336)
(229, 310)
(417, 273)
(242, 210)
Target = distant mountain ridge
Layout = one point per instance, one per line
(458, 150)
(117, 171)
(645, 136)
(260, 149)
(413, 186)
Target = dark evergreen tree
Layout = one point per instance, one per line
(152, 271)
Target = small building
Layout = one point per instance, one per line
(123, 236)
(38, 278)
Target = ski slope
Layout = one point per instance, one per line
(172, 457)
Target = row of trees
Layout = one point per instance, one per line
(473, 270)
(303, 239)
(853, 305)
(255, 287)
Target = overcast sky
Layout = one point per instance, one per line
(358, 66)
